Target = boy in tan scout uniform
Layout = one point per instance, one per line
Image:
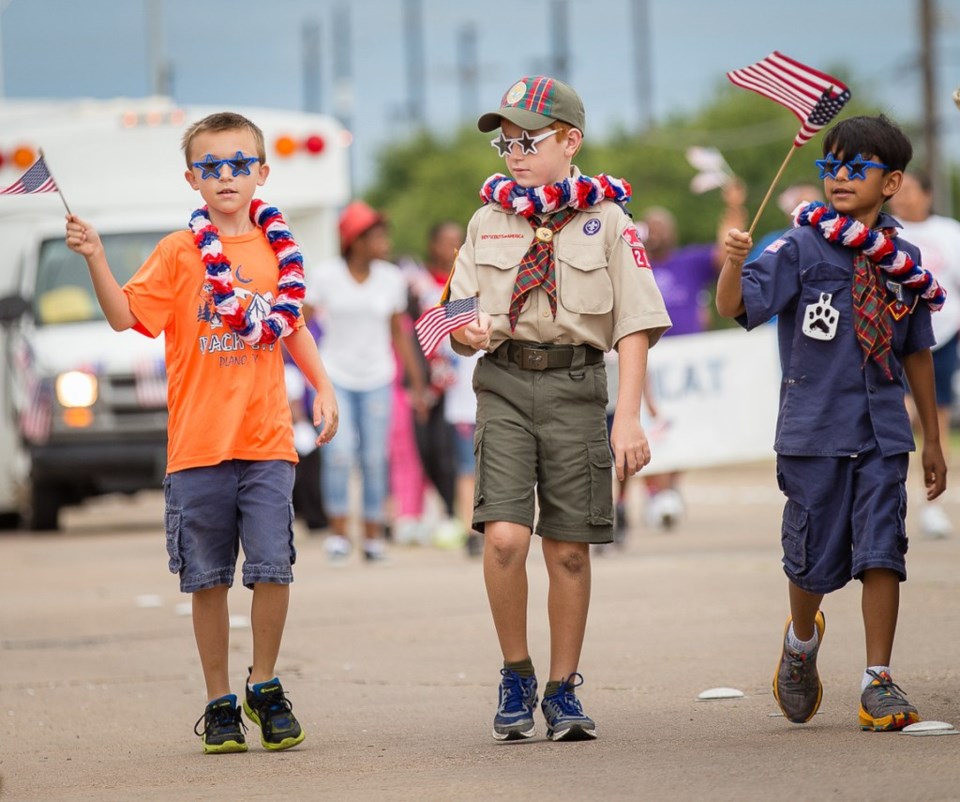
(561, 277)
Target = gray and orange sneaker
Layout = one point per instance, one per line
(883, 705)
(267, 706)
(796, 685)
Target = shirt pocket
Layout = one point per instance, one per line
(831, 279)
(583, 282)
(497, 268)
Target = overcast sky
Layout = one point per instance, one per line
(239, 52)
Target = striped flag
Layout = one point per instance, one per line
(815, 97)
(36, 179)
(436, 323)
(151, 383)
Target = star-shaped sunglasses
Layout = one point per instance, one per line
(527, 143)
(239, 164)
(856, 167)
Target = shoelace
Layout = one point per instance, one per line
(514, 695)
(798, 667)
(889, 693)
(220, 717)
(278, 706)
(566, 698)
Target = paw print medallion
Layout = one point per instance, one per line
(820, 319)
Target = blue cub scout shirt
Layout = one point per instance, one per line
(832, 404)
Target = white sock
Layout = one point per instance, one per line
(868, 678)
(804, 646)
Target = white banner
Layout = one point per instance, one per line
(716, 396)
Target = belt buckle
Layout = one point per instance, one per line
(533, 358)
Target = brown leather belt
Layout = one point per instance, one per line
(534, 356)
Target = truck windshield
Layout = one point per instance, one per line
(64, 292)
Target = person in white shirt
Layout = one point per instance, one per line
(938, 239)
(361, 299)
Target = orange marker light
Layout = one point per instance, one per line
(23, 157)
(285, 146)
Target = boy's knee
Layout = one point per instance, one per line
(504, 548)
(572, 558)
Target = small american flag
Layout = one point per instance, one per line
(36, 179)
(436, 323)
(151, 383)
(815, 97)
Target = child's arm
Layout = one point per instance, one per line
(919, 369)
(631, 452)
(403, 343)
(734, 216)
(83, 238)
(302, 347)
(729, 292)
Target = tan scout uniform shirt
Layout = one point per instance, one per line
(602, 294)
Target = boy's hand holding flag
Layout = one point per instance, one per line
(436, 323)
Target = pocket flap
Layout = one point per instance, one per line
(502, 257)
(582, 255)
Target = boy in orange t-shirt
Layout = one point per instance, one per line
(230, 461)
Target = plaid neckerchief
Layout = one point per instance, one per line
(871, 319)
(538, 265)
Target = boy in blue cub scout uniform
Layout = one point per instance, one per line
(561, 276)
(853, 307)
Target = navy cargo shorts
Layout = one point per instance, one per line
(541, 439)
(843, 515)
(212, 511)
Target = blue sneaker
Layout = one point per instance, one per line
(267, 706)
(518, 700)
(222, 727)
(565, 717)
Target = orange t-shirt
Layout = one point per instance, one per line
(227, 399)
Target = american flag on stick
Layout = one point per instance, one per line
(36, 179)
(815, 97)
(436, 323)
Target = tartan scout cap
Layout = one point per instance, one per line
(534, 102)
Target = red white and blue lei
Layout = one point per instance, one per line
(579, 193)
(219, 274)
(876, 244)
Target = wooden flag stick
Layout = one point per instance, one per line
(59, 192)
(776, 180)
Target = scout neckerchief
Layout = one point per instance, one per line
(219, 274)
(565, 197)
(876, 249)
(538, 267)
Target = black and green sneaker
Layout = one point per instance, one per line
(223, 727)
(267, 706)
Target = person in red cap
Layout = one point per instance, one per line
(361, 299)
(561, 276)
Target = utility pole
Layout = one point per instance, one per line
(160, 78)
(560, 40)
(468, 70)
(642, 63)
(343, 77)
(311, 66)
(931, 134)
(416, 75)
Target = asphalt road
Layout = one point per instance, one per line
(393, 671)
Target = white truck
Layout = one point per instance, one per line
(83, 408)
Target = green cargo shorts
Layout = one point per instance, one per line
(541, 438)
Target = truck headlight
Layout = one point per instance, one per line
(76, 389)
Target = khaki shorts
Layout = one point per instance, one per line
(542, 439)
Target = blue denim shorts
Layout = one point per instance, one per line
(212, 511)
(843, 515)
